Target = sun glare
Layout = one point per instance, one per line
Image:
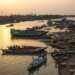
(6, 2)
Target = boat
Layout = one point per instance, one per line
(10, 25)
(71, 24)
(36, 63)
(31, 33)
(62, 53)
(22, 50)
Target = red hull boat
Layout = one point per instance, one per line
(22, 50)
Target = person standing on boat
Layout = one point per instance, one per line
(43, 54)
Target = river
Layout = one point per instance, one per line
(18, 64)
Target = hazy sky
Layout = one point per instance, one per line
(37, 6)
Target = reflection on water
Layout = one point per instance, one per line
(29, 24)
(17, 65)
(57, 30)
(28, 42)
(5, 37)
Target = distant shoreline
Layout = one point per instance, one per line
(22, 18)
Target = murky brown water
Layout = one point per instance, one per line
(16, 64)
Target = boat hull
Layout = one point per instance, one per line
(24, 51)
(35, 52)
(39, 65)
(42, 59)
(28, 33)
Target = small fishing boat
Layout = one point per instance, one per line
(62, 54)
(31, 33)
(72, 24)
(22, 50)
(38, 62)
(10, 25)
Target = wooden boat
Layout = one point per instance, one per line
(62, 54)
(10, 25)
(38, 62)
(31, 33)
(22, 50)
(72, 24)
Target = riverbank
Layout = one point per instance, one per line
(64, 53)
(21, 18)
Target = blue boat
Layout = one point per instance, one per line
(38, 62)
(31, 33)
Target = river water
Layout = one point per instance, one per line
(17, 64)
